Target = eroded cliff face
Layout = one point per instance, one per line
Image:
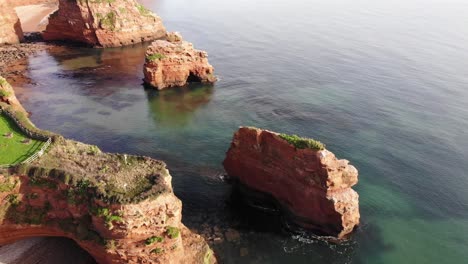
(10, 26)
(174, 62)
(119, 208)
(311, 184)
(103, 23)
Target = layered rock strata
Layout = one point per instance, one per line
(103, 23)
(175, 62)
(305, 179)
(10, 25)
(119, 208)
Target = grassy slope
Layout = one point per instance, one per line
(11, 149)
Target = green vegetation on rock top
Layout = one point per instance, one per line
(155, 56)
(303, 143)
(153, 239)
(172, 232)
(108, 21)
(143, 10)
(3, 81)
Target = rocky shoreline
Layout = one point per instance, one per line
(14, 60)
(119, 208)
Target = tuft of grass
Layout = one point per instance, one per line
(143, 10)
(4, 93)
(153, 239)
(303, 143)
(13, 199)
(3, 81)
(7, 186)
(172, 232)
(208, 256)
(93, 150)
(156, 56)
(111, 244)
(157, 251)
(107, 215)
(109, 20)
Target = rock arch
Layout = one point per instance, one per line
(39, 201)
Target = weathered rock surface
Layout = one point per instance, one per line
(10, 26)
(174, 62)
(311, 184)
(119, 208)
(103, 23)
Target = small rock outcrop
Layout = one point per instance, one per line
(103, 23)
(119, 208)
(304, 178)
(10, 25)
(174, 62)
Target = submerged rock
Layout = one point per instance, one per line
(174, 62)
(10, 25)
(104, 23)
(305, 179)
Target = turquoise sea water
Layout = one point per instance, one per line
(383, 83)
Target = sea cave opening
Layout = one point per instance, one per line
(192, 78)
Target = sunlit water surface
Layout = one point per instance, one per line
(382, 83)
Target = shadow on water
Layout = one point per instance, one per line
(44, 250)
(176, 106)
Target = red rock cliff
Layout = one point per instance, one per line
(312, 184)
(103, 23)
(10, 26)
(40, 200)
(119, 208)
(174, 62)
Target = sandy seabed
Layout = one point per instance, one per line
(34, 17)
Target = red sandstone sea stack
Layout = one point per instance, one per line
(10, 26)
(174, 62)
(303, 177)
(104, 23)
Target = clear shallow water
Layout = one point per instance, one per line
(382, 83)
